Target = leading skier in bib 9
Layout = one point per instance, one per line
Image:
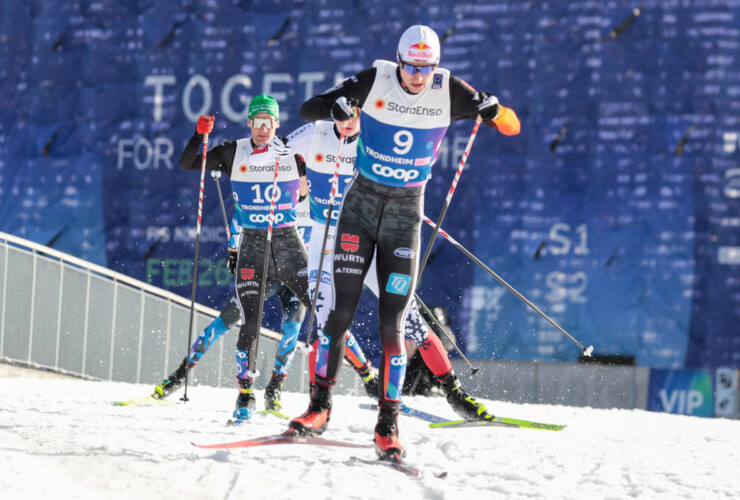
(406, 109)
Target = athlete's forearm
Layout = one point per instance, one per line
(219, 158)
(356, 87)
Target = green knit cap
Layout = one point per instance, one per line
(266, 104)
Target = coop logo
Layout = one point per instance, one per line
(246, 274)
(350, 242)
(266, 217)
(398, 283)
(400, 174)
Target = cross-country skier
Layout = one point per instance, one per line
(318, 145)
(406, 110)
(250, 163)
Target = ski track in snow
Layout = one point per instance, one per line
(63, 439)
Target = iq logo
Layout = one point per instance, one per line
(683, 392)
(398, 283)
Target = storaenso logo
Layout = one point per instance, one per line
(268, 168)
(395, 173)
(266, 217)
(345, 159)
(415, 110)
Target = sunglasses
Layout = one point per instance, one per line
(261, 122)
(411, 69)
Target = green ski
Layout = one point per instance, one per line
(499, 422)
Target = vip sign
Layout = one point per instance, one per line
(683, 392)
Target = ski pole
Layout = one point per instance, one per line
(586, 350)
(327, 227)
(433, 321)
(184, 397)
(263, 285)
(449, 195)
(216, 175)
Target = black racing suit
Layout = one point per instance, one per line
(376, 218)
(288, 259)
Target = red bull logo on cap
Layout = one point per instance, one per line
(420, 51)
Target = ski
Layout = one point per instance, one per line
(283, 439)
(144, 401)
(274, 413)
(410, 412)
(499, 422)
(264, 413)
(409, 470)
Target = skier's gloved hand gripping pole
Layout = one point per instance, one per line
(586, 350)
(341, 110)
(204, 126)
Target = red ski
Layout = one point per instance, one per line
(283, 439)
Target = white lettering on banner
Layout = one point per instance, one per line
(207, 234)
(684, 402)
(229, 112)
(144, 154)
(395, 173)
(269, 80)
(196, 81)
(266, 217)
(161, 234)
(159, 81)
(309, 79)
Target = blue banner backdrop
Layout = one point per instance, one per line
(616, 211)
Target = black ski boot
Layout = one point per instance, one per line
(273, 391)
(387, 445)
(173, 382)
(315, 420)
(246, 403)
(463, 404)
(370, 382)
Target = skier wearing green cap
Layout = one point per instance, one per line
(250, 164)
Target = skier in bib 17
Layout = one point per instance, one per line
(406, 109)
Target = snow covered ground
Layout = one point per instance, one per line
(62, 438)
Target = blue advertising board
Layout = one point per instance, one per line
(615, 210)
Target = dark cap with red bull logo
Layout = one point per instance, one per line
(419, 45)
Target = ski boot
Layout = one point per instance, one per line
(463, 404)
(315, 420)
(370, 382)
(246, 403)
(387, 446)
(173, 382)
(273, 392)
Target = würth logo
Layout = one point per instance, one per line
(247, 274)
(350, 242)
